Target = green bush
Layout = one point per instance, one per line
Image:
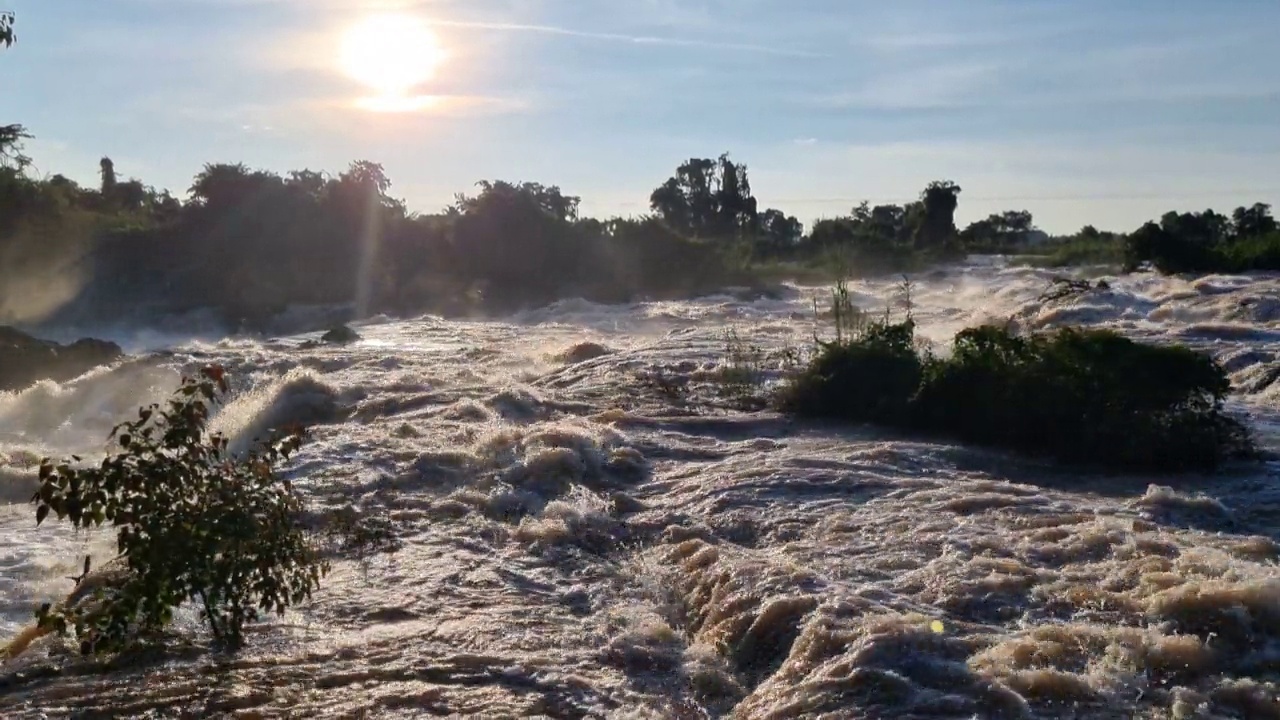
(1087, 396)
(864, 379)
(1255, 253)
(193, 523)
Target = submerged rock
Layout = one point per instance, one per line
(340, 335)
(582, 352)
(336, 335)
(25, 360)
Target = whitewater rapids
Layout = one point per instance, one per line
(589, 529)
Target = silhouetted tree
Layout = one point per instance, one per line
(1002, 232)
(11, 155)
(550, 199)
(938, 227)
(779, 232)
(707, 198)
(308, 184)
(1204, 229)
(1254, 221)
(227, 185)
(107, 171)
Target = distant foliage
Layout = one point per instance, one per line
(890, 238)
(1088, 246)
(193, 524)
(1207, 242)
(1007, 232)
(1085, 396)
(248, 243)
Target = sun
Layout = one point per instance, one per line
(391, 54)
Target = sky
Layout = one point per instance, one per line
(1083, 111)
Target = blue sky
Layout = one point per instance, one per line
(1082, 112)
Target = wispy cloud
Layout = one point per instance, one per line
(453, 106)
(931, 87)
(627, 38)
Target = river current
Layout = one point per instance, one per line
(588, 527)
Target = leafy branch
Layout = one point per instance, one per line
(194, 523)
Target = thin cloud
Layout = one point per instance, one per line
(625, 38)
(926, 88)
(454, 106)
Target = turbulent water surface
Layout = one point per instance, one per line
(590, 528)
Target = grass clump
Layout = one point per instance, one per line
(1074, 395)
(744, 368)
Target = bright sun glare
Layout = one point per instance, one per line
(391, 54)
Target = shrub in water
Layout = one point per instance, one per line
(1075, 395)
(193, 523)
(866, 378)
(1081, 395)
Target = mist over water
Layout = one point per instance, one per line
(579, 541)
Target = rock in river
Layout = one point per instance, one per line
(25, 360)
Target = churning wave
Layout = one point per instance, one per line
(581, 540)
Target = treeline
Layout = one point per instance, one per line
(247, 243)
(1207, 241)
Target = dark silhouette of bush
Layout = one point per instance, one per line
(193, 523)
(1078, 396)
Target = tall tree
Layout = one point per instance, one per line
(1254, 221)
(708, 198)
(779, 232)
(938, 227)
(107, 169)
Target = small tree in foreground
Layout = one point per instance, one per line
(193, 524)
